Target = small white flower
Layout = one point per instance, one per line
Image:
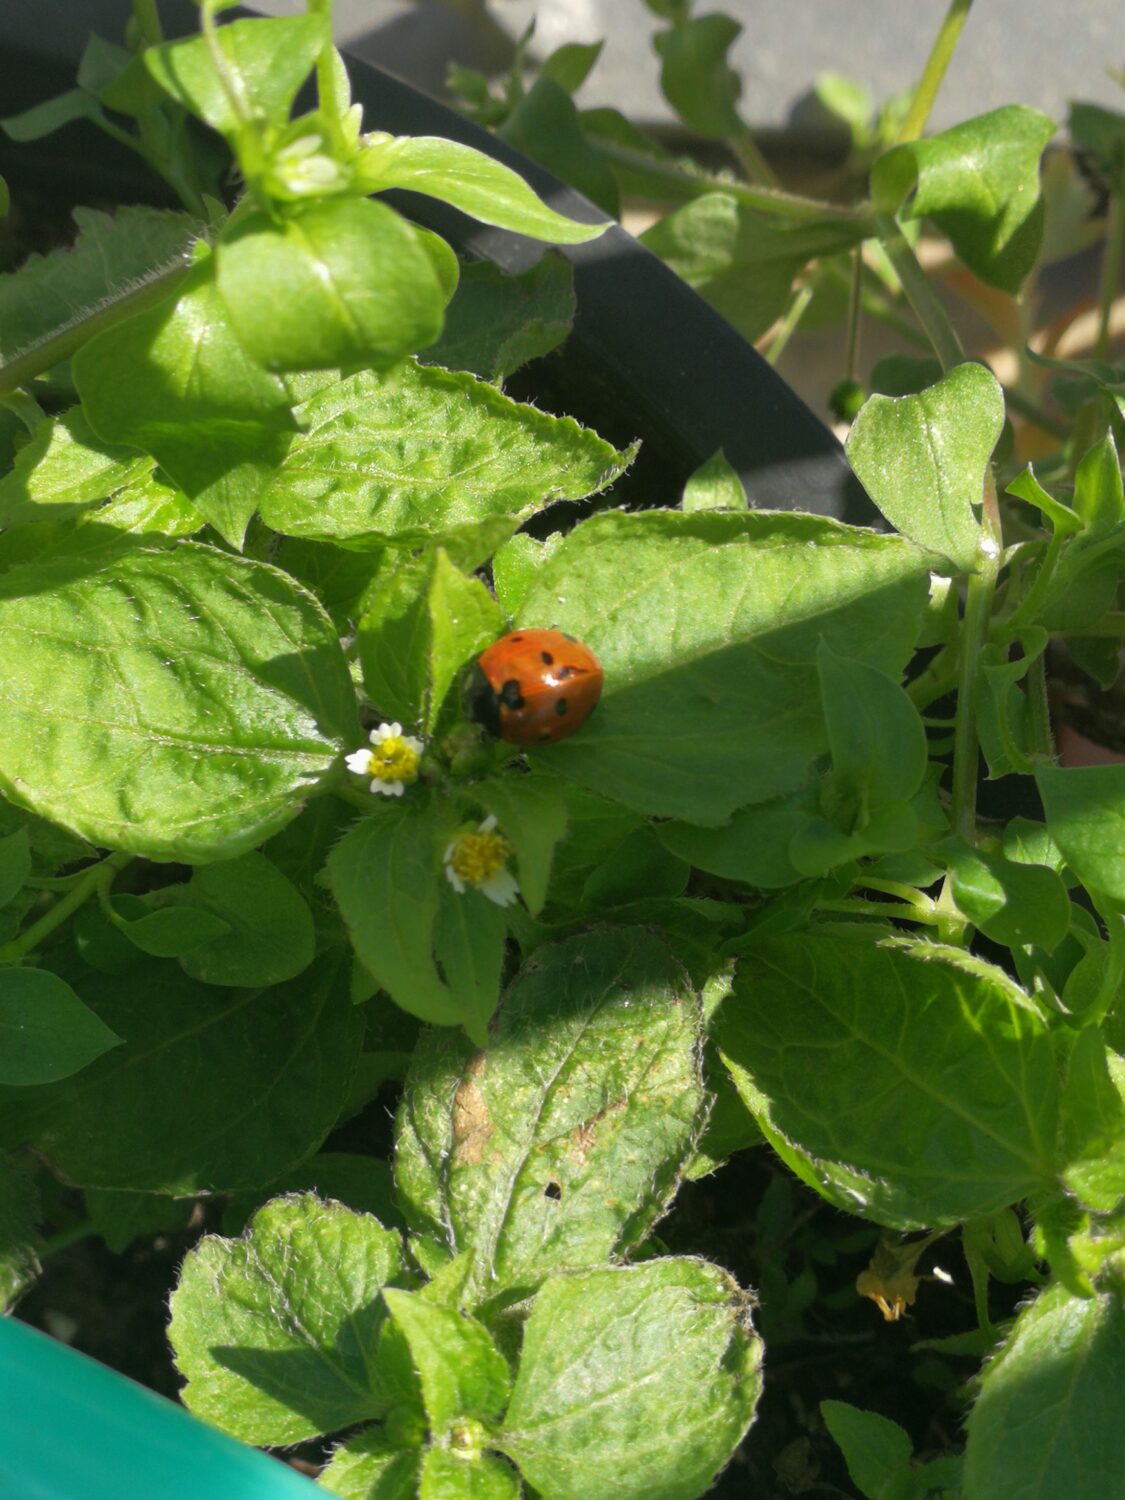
(393, 762)
(480, 858)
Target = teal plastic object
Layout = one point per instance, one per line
(70, 1429)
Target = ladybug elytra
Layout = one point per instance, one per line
(533, 687)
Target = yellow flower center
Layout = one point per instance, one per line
(478, 856)
(394, 760)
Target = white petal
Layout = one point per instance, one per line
(488, 825)
(388, 788)
(412, 744)
(358, 761)
(455, 880)
(501, 888)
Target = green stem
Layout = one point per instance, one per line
(1110, 990)
(148, 22)
(941, 52)
(920, 294)
(92, 879)
(974, 632)
(855, 306)
(793, 315)
(229, 80)
(1033, 601)
(939, 678)
(56, 347)
(753, 163)
(874, 305)
(767, 200)
(328, 94)
(1111, 269)
(65, 1238)
(1039, 710)
(897, 910)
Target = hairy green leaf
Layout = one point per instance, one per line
(697, 80)
(64, 468)
(462, 1373)
(418, 449)
(475, 183)
(979, 183)
(497, 322)
(359, 286)
(209, 1092)
(633, 1381)
(707, 628)
(591, 1077)
(276, 1332)
(911, 1084)
(1048, 1417)
(268, 934)
(179, 704)
(923, 459)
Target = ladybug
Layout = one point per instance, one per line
(533, 687)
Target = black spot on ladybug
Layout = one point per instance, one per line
(560, 706)
(515, 638)
(546, 658)
(564, 672)
(510, 694)
(544, 735)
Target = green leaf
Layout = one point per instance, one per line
(448, 1475)
(714, 486)
(267, 61)
(385, 877)
(15, 864)
(1011, 902)
(570, 65)
(110, 253)
(145, 508)
(516, 564)
(46, 1031)
(1102, 132)
(276, 1332)
(741, 262)
(469, 936)
(751, 848)
(176, 382)
(633, 1381)
(477, 184)
(497, 322)
(1085, 811)
(267, 935)
(368, 1467)
(707, 628)
(172, 930)
(462, 1373)
(1047, 1420)
(1098, 496)
(875, 735)
(638, 869)
(417, 450)
(1093, 1123)
(546, 126)
(913, 1085)
(420, 634)
(979, 183)
(121, 1218)
(42, 119)
(1025, 486)
(697, 80)
(562, 1142)
(923, 459)
(208, 1092)
(531, 811)
(338, 282)
(19, 1238)
(179, 704)
(877, 1450)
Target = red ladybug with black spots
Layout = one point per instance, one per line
(534, 687)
